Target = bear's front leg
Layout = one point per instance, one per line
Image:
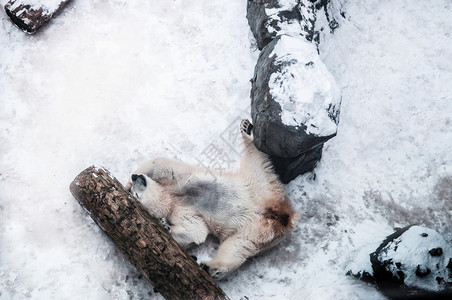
(187, 227)
(169, 172)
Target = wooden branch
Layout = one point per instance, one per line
(29, 16)
(141, 238)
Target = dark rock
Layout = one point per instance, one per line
(270, 18)
(404, 267)
(257, 19)
(289, 168)
(292, 107)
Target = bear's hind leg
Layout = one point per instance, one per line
(252, 160)
(232, 253)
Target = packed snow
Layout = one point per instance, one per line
(114, 83)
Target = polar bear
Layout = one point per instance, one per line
(247, 210)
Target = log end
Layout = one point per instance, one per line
(81, 183)
(30, 18)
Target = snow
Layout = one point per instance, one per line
(305, 89)
(114, 83)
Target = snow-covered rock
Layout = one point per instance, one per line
(294, 100)
(414, 262)
(270, 18)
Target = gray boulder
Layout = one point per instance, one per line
(295, 104)
(413, 263)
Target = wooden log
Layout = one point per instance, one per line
(30, 15)
(141, 238)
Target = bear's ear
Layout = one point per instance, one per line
(139, 179)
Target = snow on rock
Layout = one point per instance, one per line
(295, 100)
(268, 19)
(414, 261)
(303, 87)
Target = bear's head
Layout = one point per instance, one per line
(151, 195)
(139, 185)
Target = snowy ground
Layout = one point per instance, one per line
(114, 83)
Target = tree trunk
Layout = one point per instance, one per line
(141, 238)
(28, 16)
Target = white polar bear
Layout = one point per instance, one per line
(247, 210)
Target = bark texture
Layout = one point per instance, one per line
(31, 17)
(141, 238)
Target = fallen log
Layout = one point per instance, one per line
(30, 15)
(141, 238)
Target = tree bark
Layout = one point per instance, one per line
(29, 17)
(141, 238)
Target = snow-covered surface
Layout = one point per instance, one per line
(411, 250)
(303, 87)
(113, 83)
